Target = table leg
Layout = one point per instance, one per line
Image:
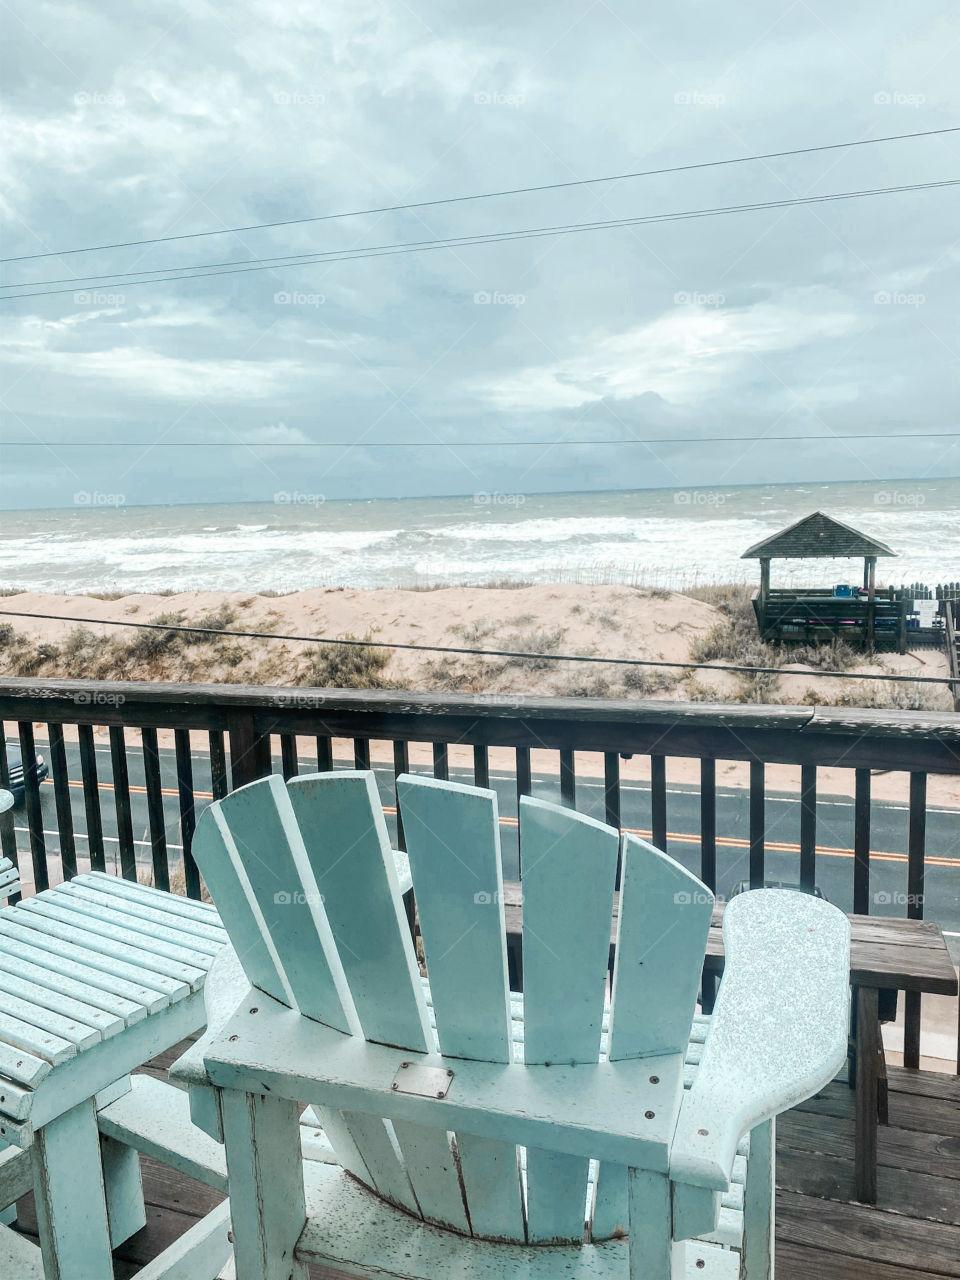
(868, 1035)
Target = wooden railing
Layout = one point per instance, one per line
(238, 729)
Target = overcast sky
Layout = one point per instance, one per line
(143, 119)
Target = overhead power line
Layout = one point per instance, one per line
(487, 195)
(382, 251)
(467, 444)
(463, 650)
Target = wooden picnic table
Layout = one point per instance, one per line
(886, 953)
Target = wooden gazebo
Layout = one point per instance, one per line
(820, 612)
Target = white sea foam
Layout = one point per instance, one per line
(665, 538)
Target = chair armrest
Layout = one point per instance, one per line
(779, 1029)
(225, 987)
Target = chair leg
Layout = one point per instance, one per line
(651, 1226)
(70, 1198)
(126, 1211)
(265, 1171)
(758, 1204)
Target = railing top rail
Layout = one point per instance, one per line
(854, 737)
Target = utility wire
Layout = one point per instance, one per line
(466, 444)
(417, 246)
(488, 195)
(484, 653)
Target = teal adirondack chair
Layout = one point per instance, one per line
(96, 977)
(480, 1134)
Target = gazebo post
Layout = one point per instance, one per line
(764, 593)
(870, 582)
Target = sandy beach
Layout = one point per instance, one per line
(604, 621)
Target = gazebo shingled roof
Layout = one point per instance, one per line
(817, 536)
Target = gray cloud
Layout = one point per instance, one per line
(129, 122)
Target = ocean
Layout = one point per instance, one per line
(670, 538)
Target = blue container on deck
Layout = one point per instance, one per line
(843, 591)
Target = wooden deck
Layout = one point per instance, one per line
(913, 1231)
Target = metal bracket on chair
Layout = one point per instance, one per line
(425, 1082)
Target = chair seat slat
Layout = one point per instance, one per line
(47, 920)
(59, 1001)
(153, 990)
(133, 908)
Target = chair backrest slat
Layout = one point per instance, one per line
(452, 836)
(453, 842)
(345, 836)
(569, 866)
(661, 940)
(259, 833)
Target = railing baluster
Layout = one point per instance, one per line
(8, 835)
(38, 847)
(916, 850)
(757, 824)
(61, 792)
(658, 801)
(481, 766)
(524, 776)
(91, 797)
(401, 764)
(324, 754)
(568, 779)
(808, 827)
(708, 823)
(441, 761)
(121, 797)
(361, 753)
(188, 815)
(219, 783)
(861, 843)
(249, 750)
(158, 826)
(611, 799)
(288, 755)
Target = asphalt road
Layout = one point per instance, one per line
(834, 830)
